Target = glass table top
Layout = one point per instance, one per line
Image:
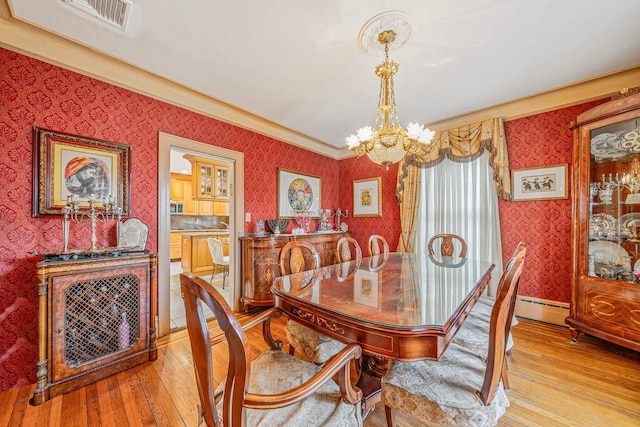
(402, 290)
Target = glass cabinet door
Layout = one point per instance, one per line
(614, 201)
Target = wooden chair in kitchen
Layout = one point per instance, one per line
(272, 388)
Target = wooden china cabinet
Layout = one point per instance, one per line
(605, 282)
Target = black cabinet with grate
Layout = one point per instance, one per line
(97, 318)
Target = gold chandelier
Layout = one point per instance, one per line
(387, 142)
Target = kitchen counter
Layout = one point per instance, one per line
(196, 257)
(176, 238)
(205, 233)
(194, 230)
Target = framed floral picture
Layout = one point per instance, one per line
(69, 165)
(544, 183)
(298, 192)
(367, 198)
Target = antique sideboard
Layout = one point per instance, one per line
(260, 262)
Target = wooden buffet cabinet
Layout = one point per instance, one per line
(97, 317)
(260, 262)
(605, 289)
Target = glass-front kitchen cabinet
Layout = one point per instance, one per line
(605, 288)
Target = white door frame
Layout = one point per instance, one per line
(236, 210)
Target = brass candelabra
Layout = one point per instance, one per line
(105, 210)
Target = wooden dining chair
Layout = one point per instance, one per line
(375, 242)
(347, 249)
(474, 331)
(463, 387)
(273, 388)
(295, 257)
(447, 246)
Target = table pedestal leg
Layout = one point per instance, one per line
(375, 367)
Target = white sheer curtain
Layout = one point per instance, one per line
(461, 198)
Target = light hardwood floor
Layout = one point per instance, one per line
(553, 383)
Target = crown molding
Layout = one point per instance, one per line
(37, 43)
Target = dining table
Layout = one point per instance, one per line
(397, 306)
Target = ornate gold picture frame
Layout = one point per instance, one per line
(69, 165)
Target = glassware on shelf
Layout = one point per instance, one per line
(303, 219)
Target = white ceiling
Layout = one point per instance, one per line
(298, 63)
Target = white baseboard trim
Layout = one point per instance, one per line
(542, 310)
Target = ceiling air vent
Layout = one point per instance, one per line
(115, 12)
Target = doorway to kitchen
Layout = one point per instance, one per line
(199, 232)
(193, 207)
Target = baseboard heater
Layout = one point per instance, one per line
(542, 310)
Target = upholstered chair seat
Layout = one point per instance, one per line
(317, 347)
(444, 392)
(272, 389)
(474, 334)
(274, 372)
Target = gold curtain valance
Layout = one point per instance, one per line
(464, 144)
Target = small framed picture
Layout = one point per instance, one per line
(367, 199)
(298, 192)
(70, 165)
(543, 183)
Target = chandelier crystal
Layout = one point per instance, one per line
(387, 142)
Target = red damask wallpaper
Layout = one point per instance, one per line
(34, 93)
(545, 225)
(361, 228)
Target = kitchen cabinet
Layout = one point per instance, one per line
(84, 305)
(221, 183)
(175, 245)
(176, 188)
(605, 288)
(209, 178)
(182, 189)
(196, 257)
(260, 262)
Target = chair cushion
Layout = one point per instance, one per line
(275, 371)
(316, 346)
(474, 335)
(484, 306)
(443, 392)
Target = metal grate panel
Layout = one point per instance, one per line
(115, 12)
(94, 314)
